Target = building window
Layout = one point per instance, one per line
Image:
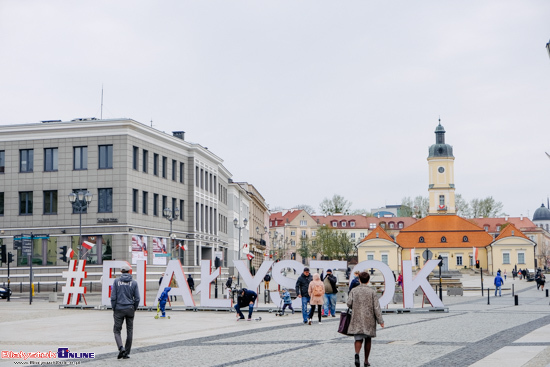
(202, 179)
(362, 235)
(498, 228)
(105, 200)
(156, 205)
(313, 233)
(135, 158)
(521, 258)
(442, 201)
(105, 156)
(181, 209)
(335, 224)
(144, 204)
(1, 203)
(293, 233)
(421, 239)
(343, 224)
(135, 200)
(459, 260)
(164, 167)
(26, 160)
(465, 239)
(486, 228)
(145, 163)
(2, 161)
(443, 239)
(385, 258)
(506, 258)
(174, 170)
(197, 176)
(156, 164)
(303, 223)
(293, 243)
(352, 235)
(182, 166)
(392, 225)
(206, 180)
(50, 202)
(383, 225)
(304, 234)
(372, 225)
(352, 224)
(370, 256)
(50, 159)
(164, 203)
(25, 203)
(400, 225)
(80, 158)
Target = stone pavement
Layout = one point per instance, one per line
(472, 333)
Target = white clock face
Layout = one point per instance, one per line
(441, 169)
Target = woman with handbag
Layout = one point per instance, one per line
(365, 314)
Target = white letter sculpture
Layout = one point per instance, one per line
(252, 282)
(73, 288)
(410, 285)
(174, 268)
(389, 281)
(204, 287)
(285, 282)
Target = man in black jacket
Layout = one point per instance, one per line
(302, 286)
(331, 292)
(124, 301)
(246, 298)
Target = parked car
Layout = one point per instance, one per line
(4, 292)
(531, 275)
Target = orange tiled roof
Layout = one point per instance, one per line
(507, 232)
(281, 217)
(378, 232)
(523, 223)
(434, 227)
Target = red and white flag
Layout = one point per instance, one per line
(88, 245)
(183, 247)
(475, 254)
(70, 253)
(413, 256)
(249, 256)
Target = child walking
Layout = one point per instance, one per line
(287, 301)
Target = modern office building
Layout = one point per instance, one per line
(136, 177)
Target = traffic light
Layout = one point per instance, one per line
(63, 253)
(477, 264)
(4, 254)
(10, 257)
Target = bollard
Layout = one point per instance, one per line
(56, 286)
(20, 287)
(512, 290)
(547, 293)
(488, 296)
(516, 300)
(38, 287)
(91, 286)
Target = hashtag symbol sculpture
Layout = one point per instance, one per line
(73, 289)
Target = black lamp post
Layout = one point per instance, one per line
(170, 215)
(236, 223)
(440, 289)
(80, 201)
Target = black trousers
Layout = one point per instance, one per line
(126, 314)
(312, 311)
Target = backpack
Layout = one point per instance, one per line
(318, 290)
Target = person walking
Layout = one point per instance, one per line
(498, 284)
(246, 298)
(316, 291)
(542, 281)
(267, 279)
(173, 285)
(191, 283)
(287, 301)
(124, 301)
(302, 288)
(504, 274)
(331, 292)
(366, 313)
(355, 282)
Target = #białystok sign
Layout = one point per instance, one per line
(174, 269)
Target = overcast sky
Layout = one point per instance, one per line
(303, 99)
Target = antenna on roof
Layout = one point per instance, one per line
(101, 114)
(151, 122)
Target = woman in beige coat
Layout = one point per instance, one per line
(316, 292)
(365, 313)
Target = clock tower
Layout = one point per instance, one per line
(442, 184)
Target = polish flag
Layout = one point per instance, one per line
(475, 254)
(88, 245)
(249, 256)
(70, 253)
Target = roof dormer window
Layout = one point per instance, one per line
(335, 224)
(343, 223)
(421, 239)
(352, 224)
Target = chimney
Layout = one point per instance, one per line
(521, 217)
(179, 134)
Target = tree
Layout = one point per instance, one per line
(325, 242)
(335, 205)
(462, 207)
(345, 246)
(417, 207)
(364, 212)
(485, 208)
(309, 209)
(305, 250)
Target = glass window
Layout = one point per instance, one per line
(156, 164)
(370, 256)
(182, 166)
(304, 234)
(441, 200)
(362, 235)
(25, 203)
(498, 228)
(521, 258)
(465, 239)
(105, 156)
(293, 233)
(156, 205)
(174, 170)
(486, 228)
(459, 260)
(145, 160)
(134, 200)
(164, 203)
(385, 258)
(26, 159)
(352, 235)
(202, 178)
(392, 225)
(164, 168)
(80, 158)
(182, 209)
(50, 159)
(197, 176)
(421, 239)
(50, 202)
(303, 222)
(105, 200)
(313, 233)
(2, 161)
(1, 203)
(352, 224)
(506, 258)
(372, 225)
(343, 224)
(443, 239)
(145, 195)
(292, 243)
(135, 158)
(400, 225)
(335, 224)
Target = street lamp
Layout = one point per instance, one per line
(236, 223)
(80, 201)
(170, 215)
